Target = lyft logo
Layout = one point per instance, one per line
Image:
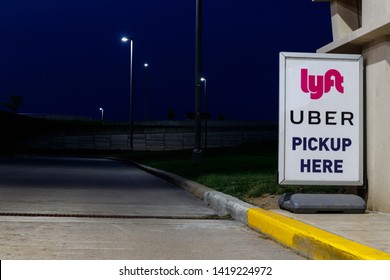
(318, 85)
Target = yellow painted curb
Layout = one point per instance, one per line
(308, 240)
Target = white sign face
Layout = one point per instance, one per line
(320, 119)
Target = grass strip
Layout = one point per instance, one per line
(243, 172)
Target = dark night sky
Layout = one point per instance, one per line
(65, 57)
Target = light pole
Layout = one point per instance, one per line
(146, 66)
(204, 80)
(197, 152)
(125, 39)
(102, 110)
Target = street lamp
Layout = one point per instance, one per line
(125, 40)
(146, 66)
(102, 110)
(204, 80)
(197, 152)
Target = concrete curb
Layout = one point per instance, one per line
(308, 240)
(222, 203)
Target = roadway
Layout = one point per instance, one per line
(94, 208)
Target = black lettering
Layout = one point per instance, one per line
(338, 166)
(335, 144)
(327, 168)
(329, 117)
(311, 146)
(305, 166)
(322, 144)
(321, 166)
(296, 141)
(314, 117)
(316, 166)
(292, 117)
(346, 116)
(346, 143)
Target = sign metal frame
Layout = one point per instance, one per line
(355, 176)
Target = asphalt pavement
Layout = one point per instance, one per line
(89, 186)
(93, 208)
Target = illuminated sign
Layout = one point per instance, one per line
(320, 119)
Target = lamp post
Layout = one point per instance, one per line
(102, 110)
(197, 152)
(125, 40)
(204, 80)
(146, 66)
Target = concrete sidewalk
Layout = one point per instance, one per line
(370, 229)
(316, 236)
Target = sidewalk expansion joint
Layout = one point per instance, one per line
(105, 216)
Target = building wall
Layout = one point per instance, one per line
(346, 17)
(372, 10)
(371, 38)
(377, 58)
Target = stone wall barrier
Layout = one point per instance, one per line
(159, 136)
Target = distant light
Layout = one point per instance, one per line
(101, 109)
(146, 65)
(124, 39)
(203, 79)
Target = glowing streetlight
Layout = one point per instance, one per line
(125, 40)
(102, 110)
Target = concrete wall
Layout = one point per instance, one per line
(371, 38)
(372, 10)
(346, 17)
(377, 55)
(160, 136)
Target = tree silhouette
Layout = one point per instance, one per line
(13, 103)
